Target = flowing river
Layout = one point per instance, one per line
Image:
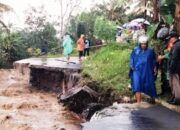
(24, 108)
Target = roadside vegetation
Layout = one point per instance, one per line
(109, 66)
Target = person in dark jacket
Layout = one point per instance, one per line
(163, 58)
(174, 69)
(86, 46)
(44, 46)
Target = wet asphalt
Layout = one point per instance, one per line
(152, 118)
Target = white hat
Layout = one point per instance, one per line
(143, 39)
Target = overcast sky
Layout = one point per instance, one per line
(19, 6)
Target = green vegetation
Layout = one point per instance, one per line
(105, 29)
(11, 48)
(27, 42)
(151, 29)
(22, 44)
(110, 66)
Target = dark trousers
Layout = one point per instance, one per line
(80, 54)
(164, 79)
(86, 52)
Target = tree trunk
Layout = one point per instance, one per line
(177, 16)
(62, 19)
(145, 11)
(156, 10)
(4, 25)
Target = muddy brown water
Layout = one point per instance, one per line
(24, 108)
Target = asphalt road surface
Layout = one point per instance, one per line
(150, 118)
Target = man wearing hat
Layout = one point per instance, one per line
(143, 69)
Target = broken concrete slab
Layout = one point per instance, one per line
(78, 98)
(77, 90)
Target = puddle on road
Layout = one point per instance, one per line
(22, 108)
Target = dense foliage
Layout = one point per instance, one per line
(110, 66)
(105, 29)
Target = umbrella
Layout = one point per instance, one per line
(141, 20)
(162, 33)
(133, 24)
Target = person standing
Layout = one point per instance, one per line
(143, 69)
(87, 46)
(67, 45)
(163, 36)
(44, 50)
(80, 46)
(44, 47)
(164, 59)
(174, 69)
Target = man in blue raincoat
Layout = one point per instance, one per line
(143, 69)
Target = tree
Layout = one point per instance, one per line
(113, 10)
(167, 10)
(36, 18)
(72, 28)
(177, 16)
(11, 48)
(39, 29)
(36, 38)
(156, 10)
(4, 8)
(67, 7)
(140, 7)
(105, 29)
(81, 29)
(89, 18)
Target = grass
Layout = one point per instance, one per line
(110, 66)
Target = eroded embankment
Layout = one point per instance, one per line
(75, 92)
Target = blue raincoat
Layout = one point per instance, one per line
(67, 44)
(142, 64)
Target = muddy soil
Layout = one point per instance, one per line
(24, 108)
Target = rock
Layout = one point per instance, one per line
(78, 98)
(70, 93)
